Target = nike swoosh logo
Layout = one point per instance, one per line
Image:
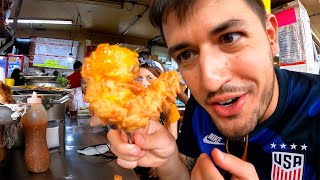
(208, 141)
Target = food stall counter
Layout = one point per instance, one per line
(70, 164)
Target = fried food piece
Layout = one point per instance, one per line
(116, 97)
(117, 177)
(5, 94)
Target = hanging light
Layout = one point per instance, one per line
(70, 58)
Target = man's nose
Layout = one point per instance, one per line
(214, 68)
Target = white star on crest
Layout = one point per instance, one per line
(293, 146)
(303, 147)
(283, 146)
(273, 145)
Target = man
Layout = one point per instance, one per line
(75, 77)
(224, 50)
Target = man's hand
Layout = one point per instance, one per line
(151, 147)
(205, 168)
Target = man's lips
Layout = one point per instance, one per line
(228, 107)
(218, 98)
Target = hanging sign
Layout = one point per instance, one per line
(54, 53)
(295, 38)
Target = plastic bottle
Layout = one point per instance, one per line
(2, 74)
(35, 123)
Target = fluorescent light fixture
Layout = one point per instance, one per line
(70, 58)
(24, 40)
(37, 21)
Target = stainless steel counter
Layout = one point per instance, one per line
(69, 164)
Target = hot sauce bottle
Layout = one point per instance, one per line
(35, 123)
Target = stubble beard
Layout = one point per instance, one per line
(256, 116)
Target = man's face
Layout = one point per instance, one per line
(225, 57)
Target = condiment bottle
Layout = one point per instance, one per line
(35, 122)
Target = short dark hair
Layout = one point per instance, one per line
(160, 10)
(144, 54)
(77, 65)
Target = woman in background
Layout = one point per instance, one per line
(78, 101)
(151, 70)
(79, 94)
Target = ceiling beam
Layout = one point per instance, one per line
(16, 14)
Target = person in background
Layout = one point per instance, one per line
(55, 72)
(17, 75)
(182, 95)
(145, 55)
(75, 77)
(79, 94)
(246, 119)
(150, 70)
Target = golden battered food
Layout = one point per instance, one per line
(116, 97)
(5, 94)
(117, 177)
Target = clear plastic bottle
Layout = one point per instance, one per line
(35, 123)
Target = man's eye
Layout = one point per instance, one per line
(185, 55)
(149, 78)
(230, 38)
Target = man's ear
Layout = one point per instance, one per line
(272, 33)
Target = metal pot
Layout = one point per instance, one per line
(55, 104)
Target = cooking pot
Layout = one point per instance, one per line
(55, 104)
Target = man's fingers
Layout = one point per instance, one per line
(204, 169)
(95, 121)
(154, 131)
(235, 166)
(124, 136)
(127, 164)
(123, 149)
(145, 150)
